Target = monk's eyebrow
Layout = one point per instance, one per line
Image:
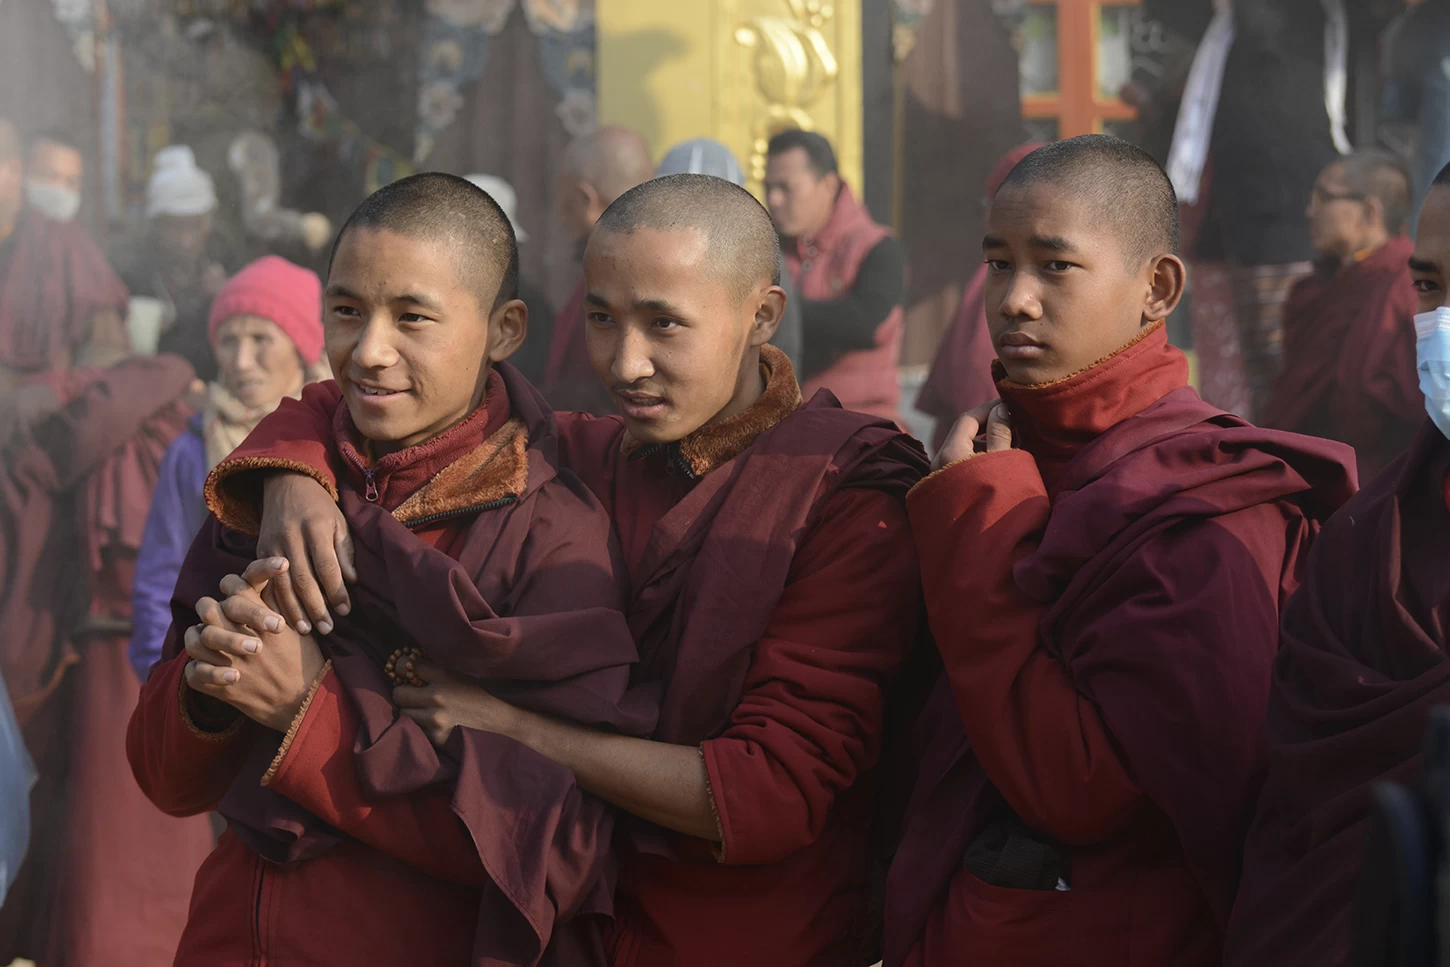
(1418, 265)
(336, 291)
(1052, 243)
(657, 305)
(992, 241)
(422, 301)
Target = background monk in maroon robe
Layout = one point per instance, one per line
(961, 374)
(60, 302)
(1362, 665)
(774, 592)
(1348, 370)
(1103, 577)
(108, 877)
(596, 169)
(350, 840)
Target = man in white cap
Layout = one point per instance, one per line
(533, 358)
(174, 266)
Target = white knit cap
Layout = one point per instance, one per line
(178, 186)
(503, 193)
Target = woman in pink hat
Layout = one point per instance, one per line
(266, 333)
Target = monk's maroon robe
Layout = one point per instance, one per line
(108, 877)
(1105, 600)
(1362, 665)
(1348, 369)
(774, 594)
(54, 281)
(360, 842)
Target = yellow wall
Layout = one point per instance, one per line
(733, 70)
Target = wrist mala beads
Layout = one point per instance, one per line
(400, 665)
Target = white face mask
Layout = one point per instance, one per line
(52, 201)
(1432, 362)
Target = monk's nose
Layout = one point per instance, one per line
(1020, 299)
(373, 349)
(632, 361)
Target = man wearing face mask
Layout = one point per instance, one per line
(1362, 662)
(54, 177)
(61, 305)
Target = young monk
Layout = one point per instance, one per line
(1363, 663)
(1103, 574)
(773, 592)
(350, 840)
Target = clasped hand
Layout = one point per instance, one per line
(245, 655)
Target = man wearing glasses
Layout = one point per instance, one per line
(1349, 341)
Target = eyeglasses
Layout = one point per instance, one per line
(1322, 197)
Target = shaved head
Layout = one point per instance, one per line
(744, 247)
(1119, 180)
(1380, 175)
(612, 159)
(459, 216)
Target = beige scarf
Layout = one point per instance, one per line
(226, 421)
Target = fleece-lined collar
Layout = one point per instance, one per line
(481, 460)
(716, 443)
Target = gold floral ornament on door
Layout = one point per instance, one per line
(793, 67)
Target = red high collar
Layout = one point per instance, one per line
(1053, 421)
(397, 475)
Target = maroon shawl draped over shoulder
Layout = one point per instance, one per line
(83, 481)
(1362, 665)
(718, 561)
(1178, 461)
(543, 842)
(1348, 369)
(68, 498)
(52, 284)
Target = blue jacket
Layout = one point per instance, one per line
(177, 513)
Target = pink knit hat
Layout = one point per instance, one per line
(279, 291)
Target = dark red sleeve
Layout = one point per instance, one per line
(810, 718)
(181, 767)
(315, 769)
(1042, 743)
(295, 437)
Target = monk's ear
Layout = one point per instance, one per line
(592, 201)
(1375, 210)
(1166, 282)
(770, 309)
(507, 327)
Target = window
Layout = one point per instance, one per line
(1075, 57)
